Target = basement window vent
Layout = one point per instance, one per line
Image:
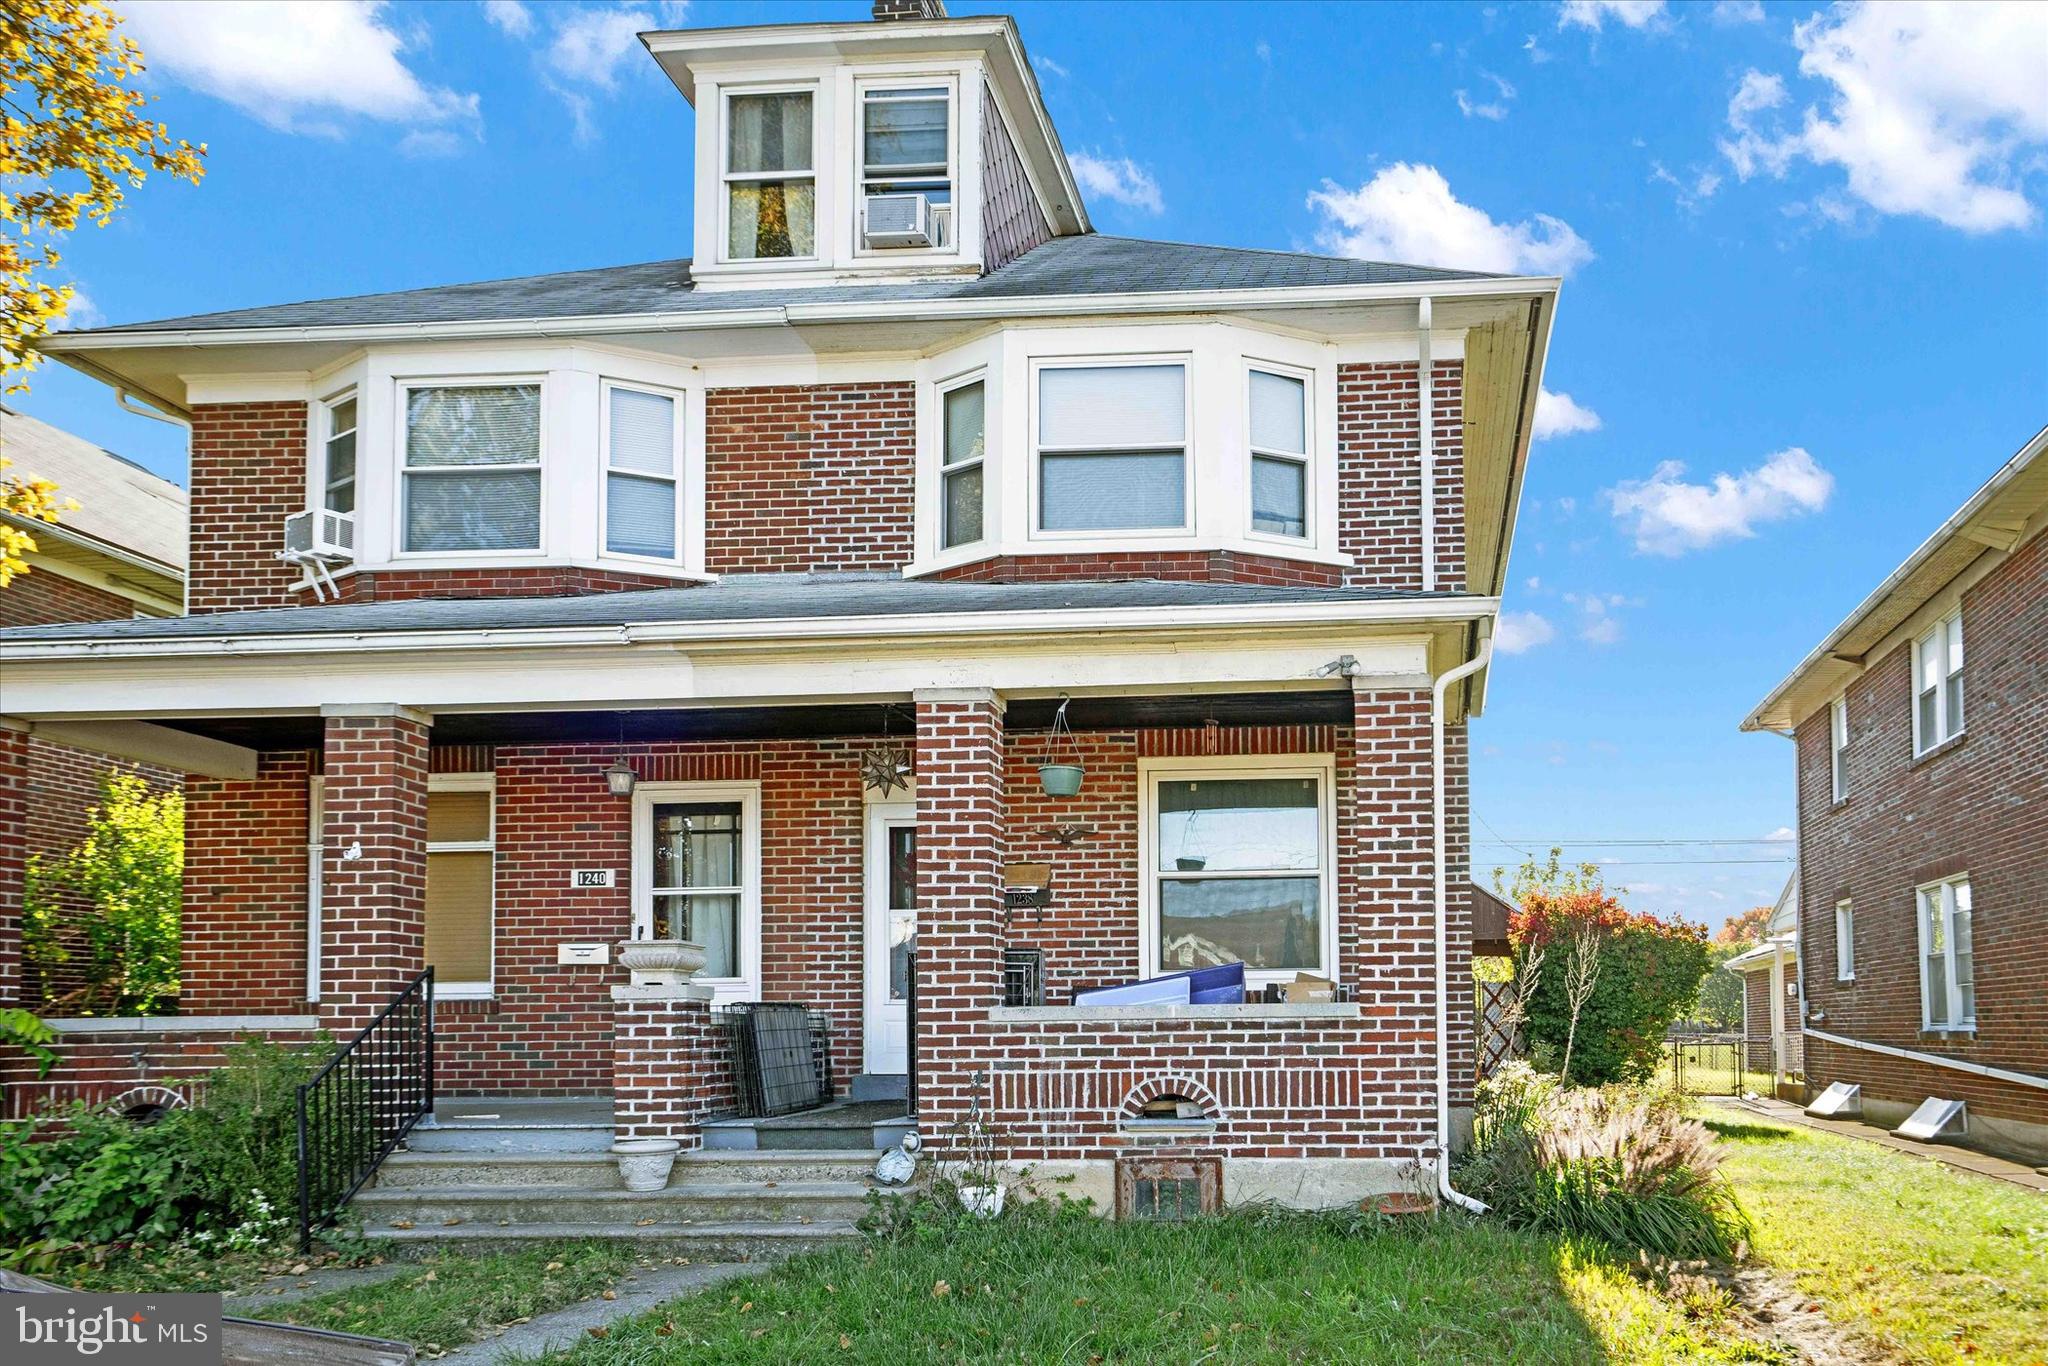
(1163, 1190)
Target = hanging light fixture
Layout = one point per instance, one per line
(620, 777)
(886, 767)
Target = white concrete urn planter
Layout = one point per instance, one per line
(644, 1163)
(661, 962)
(984, 1202)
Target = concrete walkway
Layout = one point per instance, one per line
(563, 1328)
(1949, 1155)
(251, 1302)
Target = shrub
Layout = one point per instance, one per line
(114, 901)
(1621, 1164)
(1644, 973)
(240, 1143)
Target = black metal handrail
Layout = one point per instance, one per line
(366, 1098)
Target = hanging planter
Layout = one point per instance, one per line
(1062, 778)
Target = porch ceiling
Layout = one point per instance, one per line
(1330, 706)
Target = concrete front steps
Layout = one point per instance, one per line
(501, 1174)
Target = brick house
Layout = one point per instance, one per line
(117, 556)
(1923, 824)
(739, 598)
(1771, 1040)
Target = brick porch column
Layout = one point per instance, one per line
(373, 859)
(1386, 919)
(670, 1063)
(961, 808)
(13, 853)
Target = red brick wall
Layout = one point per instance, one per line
(816, 479)
(244, 926)
(41, 597)
(1756, 1020)
(1379, 498)
(248, 475)
(373, 906)
(98, 1067)
(1217, 566)
(1979, 806)
(542, 581)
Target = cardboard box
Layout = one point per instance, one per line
(1310, 990)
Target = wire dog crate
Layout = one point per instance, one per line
(781, 1057)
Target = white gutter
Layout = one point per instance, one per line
(1425, 421)
(128, 404)
(790, 314)
(1977, 1069)
(791, 630)
(1443, 1010)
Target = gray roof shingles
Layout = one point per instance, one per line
(1088, 264)
(740, 598)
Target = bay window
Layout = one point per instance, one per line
(770, 180)
(1239, 860)
(461, 868)
(471, 468)
(1112, 447)
(643, 450)
(1938, 684)
(338, 456)
(962, 459)
(1279, 427)
(1948, 992)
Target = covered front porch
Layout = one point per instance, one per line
(802, 808)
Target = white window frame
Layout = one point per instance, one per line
(981, 462)
(862, 88)
(1151, 772)
(647, 796)
(1306, 458)
(1845, 940)
(1838, 748)
(324, 440)
(679, 467)
(1189, 472)
(727, 177)
(1946, 727)
(472, 782)
(1944, 892)
(402, 471)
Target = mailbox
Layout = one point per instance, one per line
(1027, 886)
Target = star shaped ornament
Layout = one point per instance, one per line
(885, 768)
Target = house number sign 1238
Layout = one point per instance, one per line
(580, 878)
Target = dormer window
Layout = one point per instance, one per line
(471, 467)
(771, 184)
(906, 171)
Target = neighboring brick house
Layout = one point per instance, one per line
(1921, 724)
(118, 555)
(619, 592)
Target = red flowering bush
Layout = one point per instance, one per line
(1632, 973)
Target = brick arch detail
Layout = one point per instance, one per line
(1170, 1084)
(147, 1094)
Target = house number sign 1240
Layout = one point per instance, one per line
(580, 878)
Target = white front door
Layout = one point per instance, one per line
(891, 920)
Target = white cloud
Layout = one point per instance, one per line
(509, 16)
(1495, 109)
(1117, 179)
(1559, 415)
(1263, 51)
(1538, 54)
(300, 67)
(1784, 834)
(1667, 516)
(82, 312)
(592, 45)
(1598, 624)
(1935, 110)
(1519, 631)
(1050, 67)
(1594, 14)
(422, 143)
(1407, 213)
(1738, 11)
(1696, 189)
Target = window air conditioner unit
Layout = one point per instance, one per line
(321, 534)
(898, 220)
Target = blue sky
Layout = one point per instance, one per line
(1805, 309)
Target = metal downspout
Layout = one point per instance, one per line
(1443, 1011)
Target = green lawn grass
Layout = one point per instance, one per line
(1931, 1264)
(1043, 1289)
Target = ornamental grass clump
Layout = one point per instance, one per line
(1620, 1164)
